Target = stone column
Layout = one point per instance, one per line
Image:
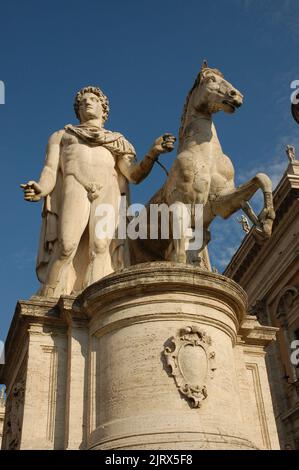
(35, 377)
(163, 368)
(76, 379)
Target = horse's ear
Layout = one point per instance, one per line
(204, 65)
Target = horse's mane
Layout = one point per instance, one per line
(197, 82)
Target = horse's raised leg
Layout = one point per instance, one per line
(229, 201)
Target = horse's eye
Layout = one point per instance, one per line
(212, 78)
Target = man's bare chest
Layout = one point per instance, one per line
(75, 149)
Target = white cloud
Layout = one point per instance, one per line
(285, 12)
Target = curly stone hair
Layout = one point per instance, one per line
(96, 91)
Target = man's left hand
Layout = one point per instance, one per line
(163, 144)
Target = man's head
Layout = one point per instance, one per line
(91, 103)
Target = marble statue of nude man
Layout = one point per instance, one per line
(86, 165)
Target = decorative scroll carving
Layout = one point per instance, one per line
(15, 405)
(192, 363)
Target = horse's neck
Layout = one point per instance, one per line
(203, 127)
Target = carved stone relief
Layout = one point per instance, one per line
(192, 363)
(15, 404)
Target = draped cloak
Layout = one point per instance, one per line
(48, 244)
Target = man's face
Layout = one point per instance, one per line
(90, 107)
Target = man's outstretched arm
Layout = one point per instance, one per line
(34, 191)
(136, 172)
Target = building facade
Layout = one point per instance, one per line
(2, 413)
(269, 273)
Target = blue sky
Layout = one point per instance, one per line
(145, 56)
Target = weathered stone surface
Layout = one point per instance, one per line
(86, 166)
(97, 367)
(203, 175)
(270, 275)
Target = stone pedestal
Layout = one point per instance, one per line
(157, 356)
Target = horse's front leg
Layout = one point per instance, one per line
(267, 215)
(229, 201)
(180, 221)
(176, 251)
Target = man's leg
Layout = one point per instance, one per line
(100, 264)
(72, 222)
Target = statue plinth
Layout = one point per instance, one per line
(168, 367)
(156, 356)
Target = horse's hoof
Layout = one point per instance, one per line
(261, 235)
(258, 235)
(267, 227)
(181, 259)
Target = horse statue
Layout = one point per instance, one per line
(203, 174)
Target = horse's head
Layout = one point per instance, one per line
(212, 93)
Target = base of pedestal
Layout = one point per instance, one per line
(156, 356)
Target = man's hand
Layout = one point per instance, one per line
(163, 144)
(32, 191)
